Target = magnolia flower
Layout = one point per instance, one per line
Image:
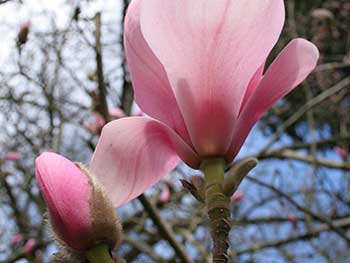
(80, 214)
(197, 69)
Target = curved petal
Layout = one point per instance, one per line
(253, 84)
(151, 85)
(210, 50)
(289, 69)
(135, 153)
(70, 215)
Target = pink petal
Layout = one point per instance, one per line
(210, 50)
(253, 84)
(135, 153)
(289, 69)
(152, 89)
(66, 191)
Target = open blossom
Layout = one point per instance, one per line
(80, 214)
(197, 69)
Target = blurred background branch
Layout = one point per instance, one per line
(69, 77)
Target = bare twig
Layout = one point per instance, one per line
(164, 230)
(320, 218)
(309, 105)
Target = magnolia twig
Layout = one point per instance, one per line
(164, 229)
(289, 154)
(143, 247)
(102, 106)
(342, 223)
(320, 218)
(309, 105)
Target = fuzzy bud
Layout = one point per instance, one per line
(195, 187)
(22, 36)
(236, 174)
(80, 213)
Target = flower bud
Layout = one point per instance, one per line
(22, 36)
(292, 218)
(195, 187)
(341, 152)
(236, 174)
(16, 239)
(165, 196)
(12, 156)
(237, 197)
(29, 247)
(80, 213)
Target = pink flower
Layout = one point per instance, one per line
(16, 240)
(237, 197)
(29, 247)
(75, 203)
(197, 69)
(165, 196)
(12, 156)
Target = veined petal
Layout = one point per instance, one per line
(150, 82)
(210, 50)
(290, 68)
(135, 153)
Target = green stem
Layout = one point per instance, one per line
(217, 204)
(99, 254)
